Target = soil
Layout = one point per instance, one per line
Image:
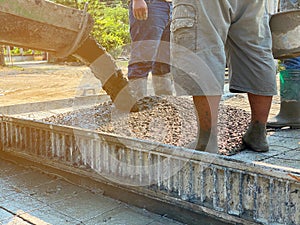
(35, 82)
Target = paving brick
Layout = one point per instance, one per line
(49, 216)
(55, 201)
(27, 180)
(21, 201)
(85, 205)
(55, 191)
(121, 215)
(4, 215)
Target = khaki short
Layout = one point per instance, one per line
(204, 32)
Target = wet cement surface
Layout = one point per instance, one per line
(284, 143)
(28, 196)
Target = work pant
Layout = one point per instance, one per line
(207, 33)
(150, 47)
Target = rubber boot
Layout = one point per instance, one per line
(289, 114)
(256, 138)
(206, 141)
(138, 90)
(138, 87)
(162, 84)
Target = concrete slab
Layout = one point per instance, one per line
(7, 170)
(29, 195)
(288, 138)
(7, 190)
(86, 206)
(4, 214)
(21, 201)
(15, 221)
(55, 191)
(47, 215)
(290, 159)
(129, 215)
(26, 181)
(120, 215)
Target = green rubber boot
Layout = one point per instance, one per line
(289, 114)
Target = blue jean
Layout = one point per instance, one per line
(293, 63)
(150, 41)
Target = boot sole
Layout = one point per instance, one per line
(292, 126)
(249, 147)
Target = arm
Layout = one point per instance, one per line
(140, 9)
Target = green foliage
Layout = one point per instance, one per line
(18, 51)
(111, 28)
(280, 66)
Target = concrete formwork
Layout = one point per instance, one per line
(209, 184)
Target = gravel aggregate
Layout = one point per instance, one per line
(169, 120)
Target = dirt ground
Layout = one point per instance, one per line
(34, 82)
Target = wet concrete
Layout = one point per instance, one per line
(284, 143)
(28, 196)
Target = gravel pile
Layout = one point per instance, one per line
(169, 120)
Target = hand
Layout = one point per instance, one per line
(140, 9)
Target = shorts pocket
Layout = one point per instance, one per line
(184, 26)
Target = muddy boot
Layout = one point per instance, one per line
(256, 138)
(138, 89)
(162, 84)
(289, 114)
(206, 141)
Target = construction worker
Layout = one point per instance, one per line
(150, 49)
(203, 34)
(289, 114)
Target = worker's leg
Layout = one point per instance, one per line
(199, 31)
(289, 114)
(255, 137)
(145, 38)
(252, 67)
(260, 107)
(161, 76)
(207, 114)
